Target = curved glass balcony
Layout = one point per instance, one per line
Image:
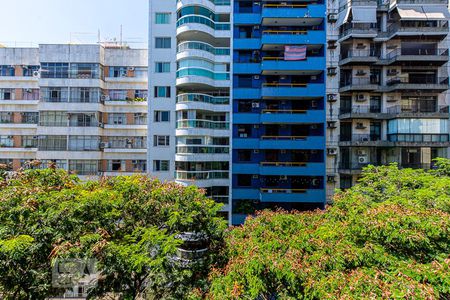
(201, 175)
(203, 98)
(203, 73)
(203, 149)
(206, 124)
(219, 2)
(203, 20)
(202, 46)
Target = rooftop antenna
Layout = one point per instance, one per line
(99, 36)
(121, 34)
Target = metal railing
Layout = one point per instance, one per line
(419, 108)
(283, 164)
(207, 124)
(282, 191)
(352, 53)
(359, 138)
(202, 150)
(418, 52)
(431, 79)
(203, 98)
(360, 109)
(201, 175)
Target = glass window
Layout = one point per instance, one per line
(53, 118)
(160, 165)
(140, 119)
(116, 165)
(84, 143)
(55, 70)
(84, 167)
(55, 94)
(162, 18)
(161, 140)
(117, 119)
(163, 43)
(6, 141)
(29, 117)
(162, 116)
(139, 165)
(53, 143)
(7, 70)
(162, 67)
(7, 94)
(29, 141)
(162, 92)
(118, 95)
(6, 117)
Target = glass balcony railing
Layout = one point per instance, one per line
(206, 124)
(202, 149)
(201, 175)
(418, 138)
(203, 20)
(218, 2)
(202, 72)
(202, 46)
(203, 98)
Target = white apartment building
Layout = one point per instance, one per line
(82, 107)
(189, 95)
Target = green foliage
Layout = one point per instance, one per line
(386, 238)
(128, 224)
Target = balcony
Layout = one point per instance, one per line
(359, 84)
(362, 30)
(413, 83)
(292, 90)
(291, 116)
(292, 195)
(418, 111)
(293, 37)
(361, 112)
(279, 168)
(280, 64)
(204, 124)
(356, 56)
(363, 140)
(417, 140)
(418, 29)
(293, 11)
(201, 175)
(427, 57)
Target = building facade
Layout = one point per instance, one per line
(82, 107)
(391, 99)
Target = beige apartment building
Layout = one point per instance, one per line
(83, 107)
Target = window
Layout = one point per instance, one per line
(83, 120)
(29, 94)
(162, 116)
(7, 94)
(160, 165)
(141, 94)
(118, 72)
(29, 141)
(117, 119)
(244, 180)
(161, 140)
(29, 117)
(162, 92)
(116, 165)
(54, 94)
(55, 70)
(6, 141)
(163, 42)
(140, 119)
(7, 70)
(53, 118)
(244, 155)
(6, 117)
(53, 143)
(84, 95)
(118, 95)
(60, 163)
(162, 67)
(162, 18)
(84, 71)
(84, 143)
(139, 165)
(84, 167)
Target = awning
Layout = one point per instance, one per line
(343, 17)
(412, 13)
(364, 14)
(436, 12)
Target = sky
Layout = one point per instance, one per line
(30, 22)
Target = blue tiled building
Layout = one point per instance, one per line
(279, 113)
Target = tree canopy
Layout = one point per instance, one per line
(130, 225)
(386, 238)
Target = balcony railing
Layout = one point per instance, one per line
(203, 98)
(418, 52)
(201, 175)
(282, 191)
(290, 85)
(360, 109)
(280, 137)
(283, 164)
(202, 149)
(207, 124)
(420, 108)
(418, 138)
(417, 27)
(419, 80)
(291, 32)
(283, 111)
(359, 138)
(202, 46)
(203, 20)
(359, 53)
(355, 81)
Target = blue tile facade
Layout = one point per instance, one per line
(279, 113)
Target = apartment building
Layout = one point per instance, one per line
(391, 99)
(189, 86)
(82, 107)
(238, 101)
(279, 113)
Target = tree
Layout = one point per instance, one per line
(130, 225)
(388, 237)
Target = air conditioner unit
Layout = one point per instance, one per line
(361, 152)
(242, 135)
(256, 126)
(315, 182)
(255, 104)
(360, 126)
(363, 160)
(392, 72)
(36, 74)
(256, 77)
(332, 151)
(28, 90)
(101, 125)
(255, 176)
(331, 125)
(360, 98)
(314, 104)
(283, 177)
(130, 68)
(331, 97)
(314, 126)
(360, 73)
(331, 178)
(256, 151)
